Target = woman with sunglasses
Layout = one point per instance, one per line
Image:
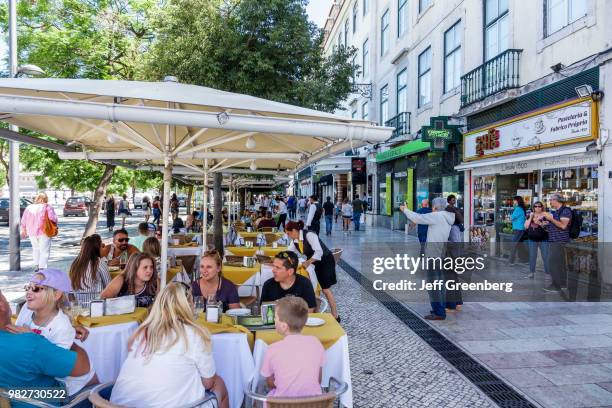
(316, 254)
(139, 279)
(538, 237)
(89, 272)
(212, 282)
(43, 314)
(170, 361)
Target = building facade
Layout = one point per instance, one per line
(493, 67)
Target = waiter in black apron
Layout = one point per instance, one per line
(317, 254)
(313, 221)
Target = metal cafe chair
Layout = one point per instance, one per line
(325, 400)
(100, 397)
(80, 400)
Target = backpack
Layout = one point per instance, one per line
(575, 224)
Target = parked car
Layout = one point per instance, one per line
(182, 201)
(140, 197)
(5, 208)
(77, 206)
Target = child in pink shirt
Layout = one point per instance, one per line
(292, 366)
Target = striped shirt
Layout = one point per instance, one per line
(556, 234)
(91, 289)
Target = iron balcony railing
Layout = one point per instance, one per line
(401, 123)
(495, 75)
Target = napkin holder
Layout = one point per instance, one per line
(120, 305)
(96, 308)
(248, 261)
(213, 312)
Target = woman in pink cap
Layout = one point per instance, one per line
(32, 226)
(42, 314)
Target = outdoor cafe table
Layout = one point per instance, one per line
(245, 279)
(106, 347)
(264, 250)
(334, 340)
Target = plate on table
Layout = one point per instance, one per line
(314, 322)
(238, 312)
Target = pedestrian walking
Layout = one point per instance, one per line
(124, 210)
(174, 206)
(439, 223)
(302, 207)
(518, 226)
(558, 236)
(422, 228)
(110, 213)
(338, 210)
(156, 207)
(328, 211)
(538, 238)
(357, 211)
(146, 204)
(282, 212)
(291, 207)
(315, 211)
(35, 225)
(454, 298)
(347, 215)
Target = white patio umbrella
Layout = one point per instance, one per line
(170, 124)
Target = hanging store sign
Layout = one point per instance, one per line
(569, 122)
(358, 170)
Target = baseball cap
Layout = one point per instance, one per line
(53, 278)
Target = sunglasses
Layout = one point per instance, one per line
(538, 206)
(33, 288)
(123, 240)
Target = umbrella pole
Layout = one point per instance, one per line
(165, 214)
(205, 209)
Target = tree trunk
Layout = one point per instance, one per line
(5, 165)
(134, 188)
(189, 197)
(243, 204)
(217, 217)
(92, 222)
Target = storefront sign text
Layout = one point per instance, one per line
(565, 123)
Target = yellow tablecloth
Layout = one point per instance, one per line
(245, 234)
(269, 251)
(172, 272)
(139, 315)
(241, 251)
(238, 274)
(327, 334)
(226, 326)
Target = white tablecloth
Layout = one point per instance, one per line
(185, 251)
(106, 347)
(337, 365)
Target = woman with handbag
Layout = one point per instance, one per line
(538, 238)
(39, 223)
(124, 210)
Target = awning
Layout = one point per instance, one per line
(534, 155)
(416, 146)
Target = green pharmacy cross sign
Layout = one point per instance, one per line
(440, 134)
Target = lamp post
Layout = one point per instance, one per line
(15, 202)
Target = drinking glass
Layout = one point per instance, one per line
(198, 303)
(74, 310)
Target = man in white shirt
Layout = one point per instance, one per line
(302, 207)
(281, 211)
(313, 221)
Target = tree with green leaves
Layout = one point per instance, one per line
(95, 39)
(263, 48)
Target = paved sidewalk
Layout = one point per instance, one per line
(558, 354)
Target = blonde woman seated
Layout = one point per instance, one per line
(170, 361)
(139, 279)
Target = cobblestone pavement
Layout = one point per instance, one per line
(558, 354)
(390, 365)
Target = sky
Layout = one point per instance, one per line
(318, 11)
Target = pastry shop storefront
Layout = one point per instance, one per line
(533, 156)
